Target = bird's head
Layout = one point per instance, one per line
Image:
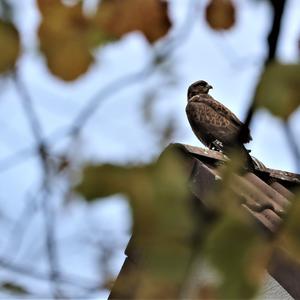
(198, 87)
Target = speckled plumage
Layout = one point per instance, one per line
(213, 123)
(211, 120)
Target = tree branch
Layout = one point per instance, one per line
(68, 279)
(273, 37)
(278, 10)
(42, 153)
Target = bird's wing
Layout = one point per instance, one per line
(221, 109)
(226, 113)
(206, 121)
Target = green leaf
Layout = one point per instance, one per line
(10, 46)
(163, 219)
(239, 254)
(279, 89)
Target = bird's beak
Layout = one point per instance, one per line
(210, 87)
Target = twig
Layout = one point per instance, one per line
(113, 87)
(69, 279)
(50, 240)
(21, 155)
(42, 149)
(32, 118)
(21, 224)
(168, 46)
(42, 153)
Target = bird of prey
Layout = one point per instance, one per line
(214, 124)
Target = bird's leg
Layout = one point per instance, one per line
(216, 145)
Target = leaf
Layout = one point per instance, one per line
(14, 288)
(220, 14)
(10, 46)
(69, 60)
(163, 220)
(118, 17)
(152, 189)
(239, 254)
(67, 38)
(279, 89)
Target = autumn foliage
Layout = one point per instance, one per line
(68, 38)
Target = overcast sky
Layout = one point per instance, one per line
(231, 62)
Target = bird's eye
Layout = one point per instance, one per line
(202, 83)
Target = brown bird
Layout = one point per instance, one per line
(213, 123)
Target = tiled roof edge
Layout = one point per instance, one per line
(259, 166)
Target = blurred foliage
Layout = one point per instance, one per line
(68, 35)
(66, 38)
(233, 245)
(150, 17)
(240, 254)
(163, 225)
(279, 89)
(220, 14)
(9, 46)
(164, 221)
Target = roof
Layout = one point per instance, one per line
(265, 194)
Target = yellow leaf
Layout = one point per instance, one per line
(279, 89)
(118, 17)
(69, 60)
(46, 5)
(67, 37)
(10, 47)
(220, 14)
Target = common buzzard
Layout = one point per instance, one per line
(213, 123)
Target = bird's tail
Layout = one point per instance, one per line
(239, 150)
(249, 164)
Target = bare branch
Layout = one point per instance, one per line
(164, 51)
(50, 241)
(113, 87)
(69, 279)
(32, 117)
(42, 152)
(20, 226)
(278, 11)
(278, 8)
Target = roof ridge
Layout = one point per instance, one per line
(259, 166)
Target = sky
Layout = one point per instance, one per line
(117, 132)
